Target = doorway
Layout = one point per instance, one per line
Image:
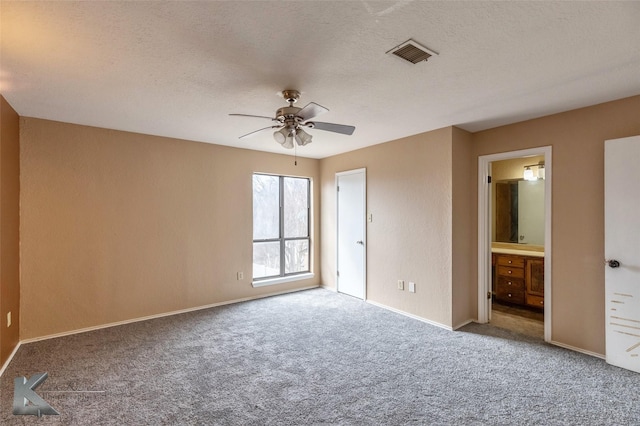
(351, 224)
(516, 272)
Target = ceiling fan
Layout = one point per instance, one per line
(290, 121)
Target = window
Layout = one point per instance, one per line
(281, 215)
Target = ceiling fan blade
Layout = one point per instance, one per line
(255, 116)
(311, 110)
(331, 127)
(256, 131)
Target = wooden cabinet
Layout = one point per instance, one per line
(510, 285)
(534, 282)
(519, 280)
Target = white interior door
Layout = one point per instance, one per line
(622, 240)
(351, 262)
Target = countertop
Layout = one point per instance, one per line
(518, 249)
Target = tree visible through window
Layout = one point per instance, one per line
(280, 226)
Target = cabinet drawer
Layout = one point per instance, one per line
(515, 261)
(510, 284)
(536, 301)
(508, 271)
(514, 295)
(510, 290)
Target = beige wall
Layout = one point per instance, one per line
(117, 226)
(577, 139)
(409, 193)
(9, 229)
(464, 230)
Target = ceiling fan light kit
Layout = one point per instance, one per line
(290, 121)
(281, 135)
(303, 138)
(286, 136)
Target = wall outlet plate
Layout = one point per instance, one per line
(412, 287)
(400, 285)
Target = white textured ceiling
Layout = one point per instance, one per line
(178, 68)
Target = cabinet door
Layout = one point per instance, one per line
(535, 277)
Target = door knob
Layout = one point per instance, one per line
(360, 242)
(612, 263)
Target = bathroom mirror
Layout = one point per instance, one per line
(519, 211)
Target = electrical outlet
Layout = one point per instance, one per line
(370, 217)
(240, 276)
(412, 287)
(400, 285)
(9, 319)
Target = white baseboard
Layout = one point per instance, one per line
(573, 348)
(335, 290)
(406, 314)
(165, 314)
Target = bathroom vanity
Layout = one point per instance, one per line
(518, 274)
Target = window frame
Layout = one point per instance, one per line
(283, 276)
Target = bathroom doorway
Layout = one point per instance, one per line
(514, 235)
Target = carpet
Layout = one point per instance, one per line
(316, 357)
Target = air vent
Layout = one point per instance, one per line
(412, 51)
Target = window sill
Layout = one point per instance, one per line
(282, 280)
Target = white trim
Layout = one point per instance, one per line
(8, 361)
(165, 314)
(406, 314)
(362, 170)
(326, 287)
(484, 238)
(573, 348)
(547, 244)
(484, 231)
(352, 172)
(280, 280)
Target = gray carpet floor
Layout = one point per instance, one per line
(316, 357)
